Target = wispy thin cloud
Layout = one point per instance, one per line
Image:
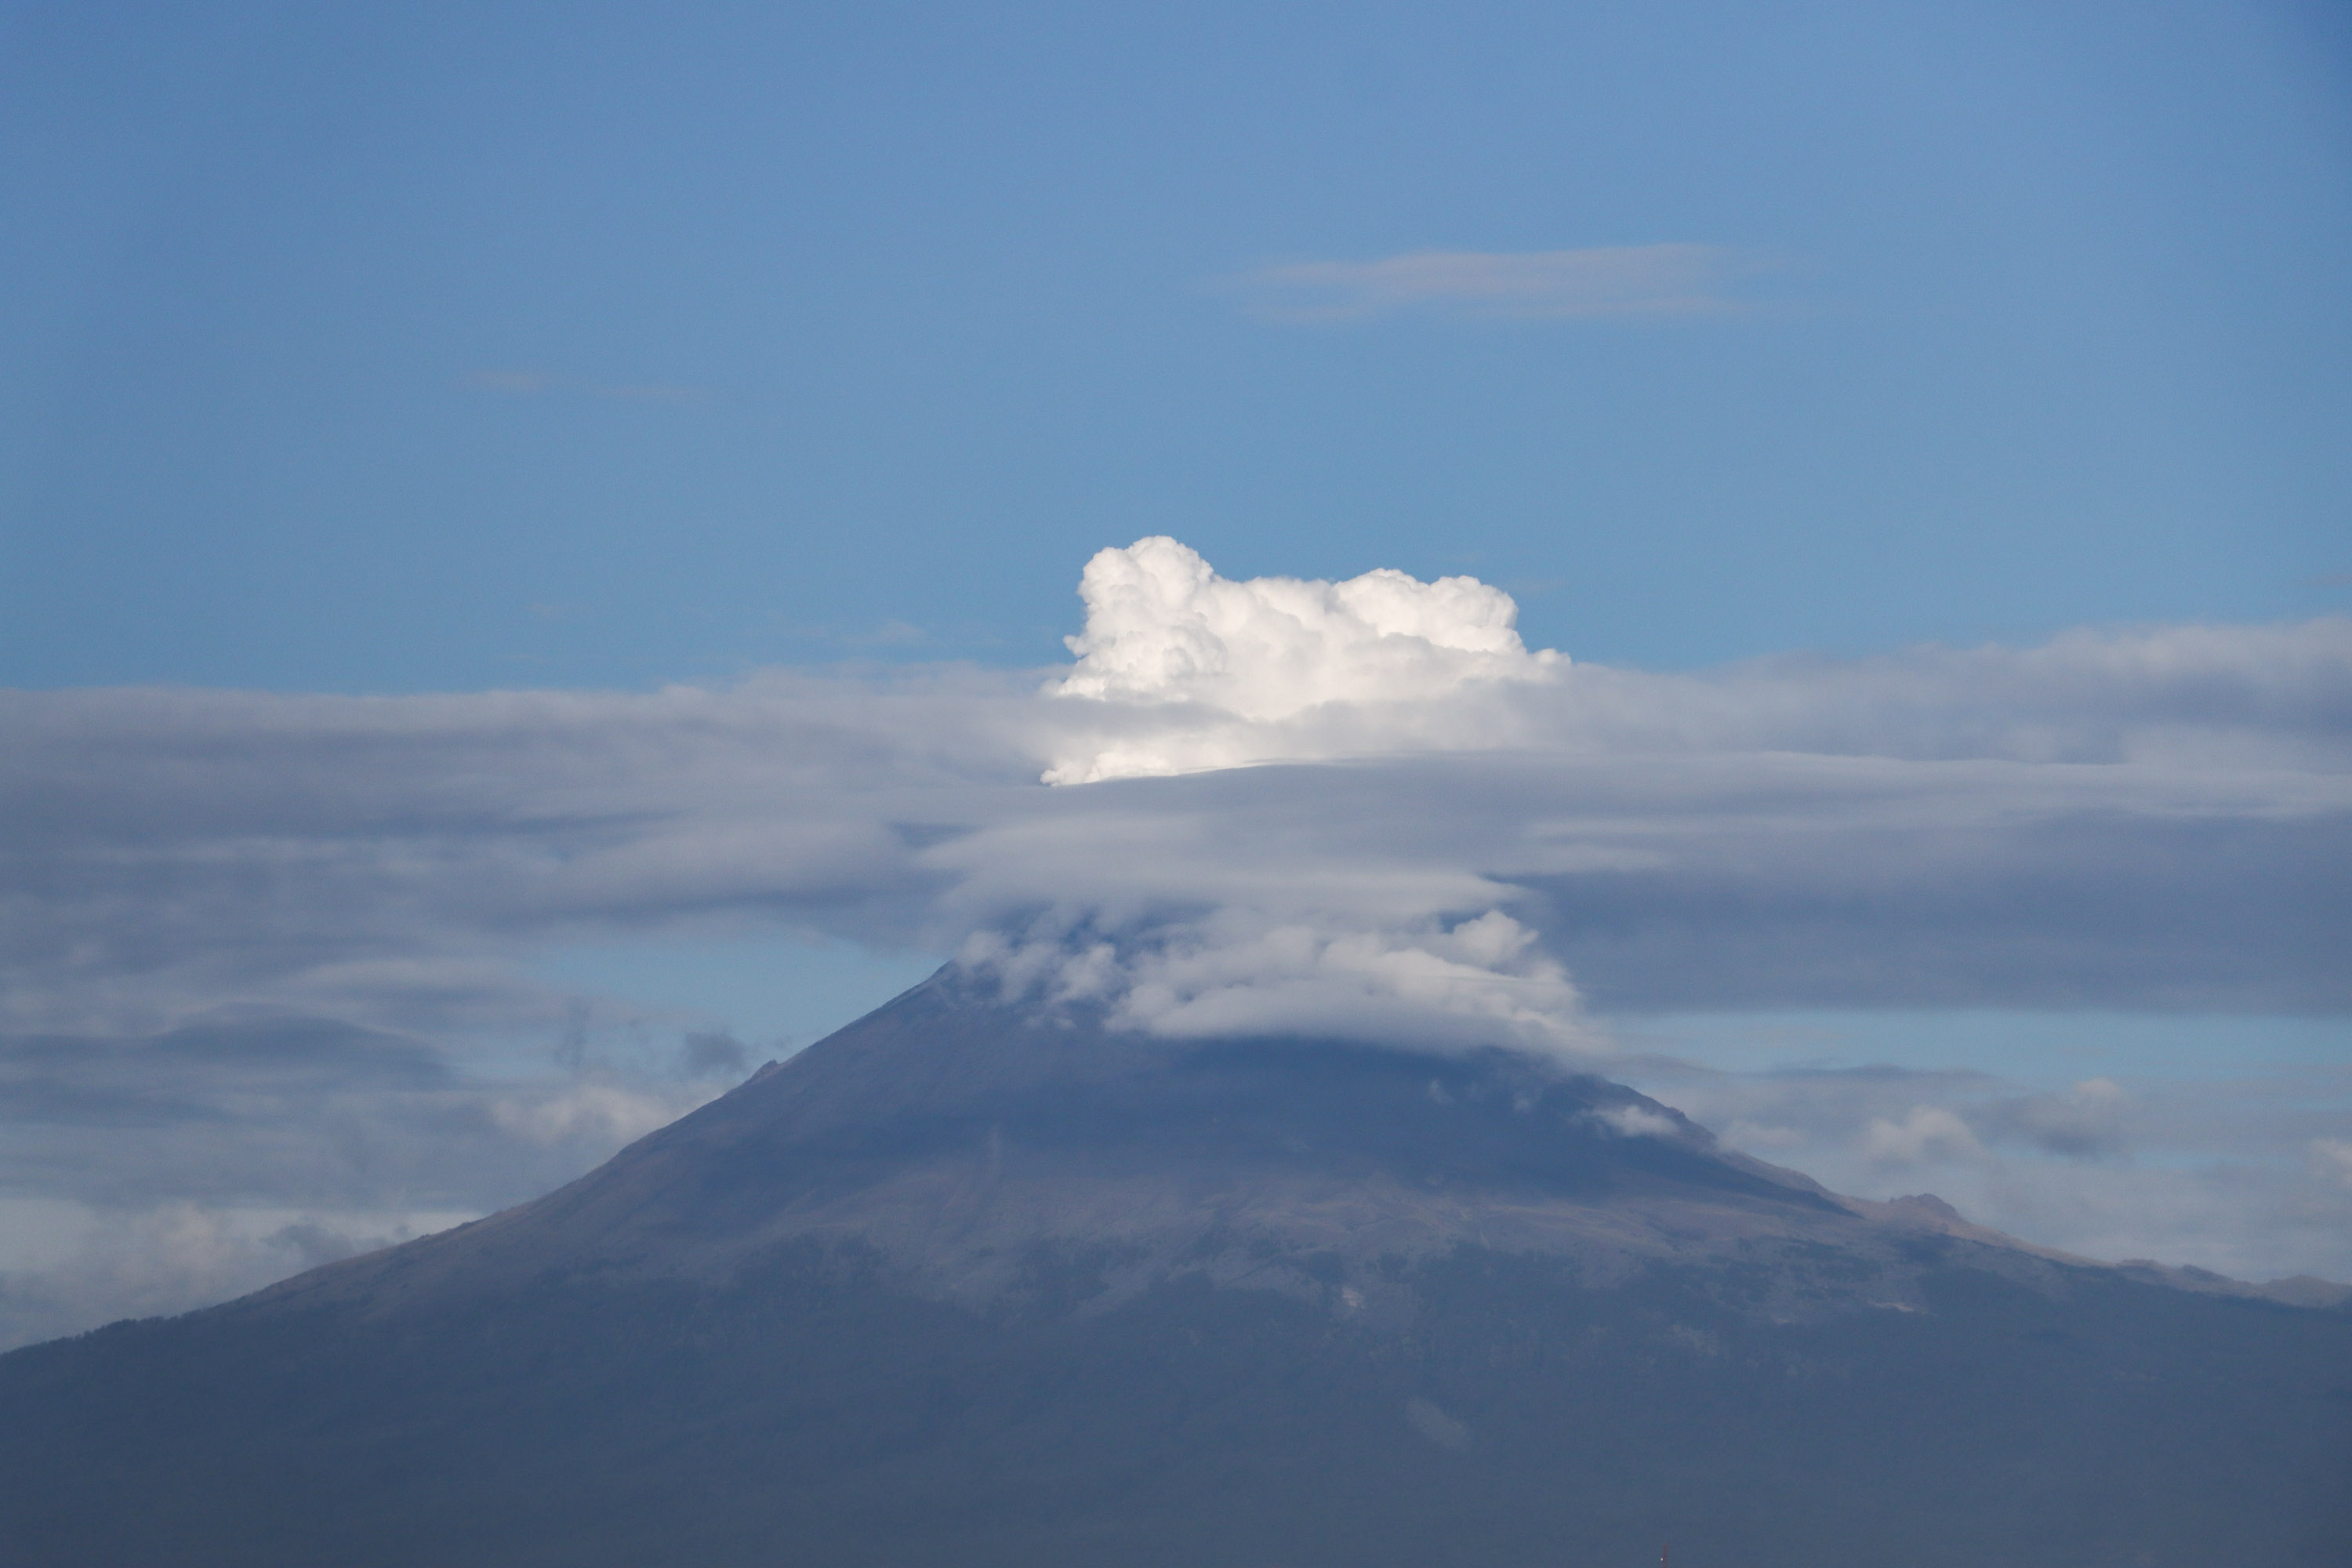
(536, 382)
(1623, 280)
(651, 392)
(513, 382)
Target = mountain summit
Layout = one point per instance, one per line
(975, 1283)
(964, 1142)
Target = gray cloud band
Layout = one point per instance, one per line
(1677, 841)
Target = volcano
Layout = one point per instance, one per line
(978, 1284)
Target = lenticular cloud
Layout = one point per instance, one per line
(1196, 671)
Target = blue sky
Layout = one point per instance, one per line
(435, 347)
(593, 490)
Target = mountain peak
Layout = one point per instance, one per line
(997, 1285)
(960, 1138)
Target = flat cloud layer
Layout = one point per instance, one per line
(267, 955)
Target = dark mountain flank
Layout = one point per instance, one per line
(965, 1284)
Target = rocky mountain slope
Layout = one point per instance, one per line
(973, 1284)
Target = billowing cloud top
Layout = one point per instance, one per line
(1254, 658)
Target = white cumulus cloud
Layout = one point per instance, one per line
(1215, 673)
